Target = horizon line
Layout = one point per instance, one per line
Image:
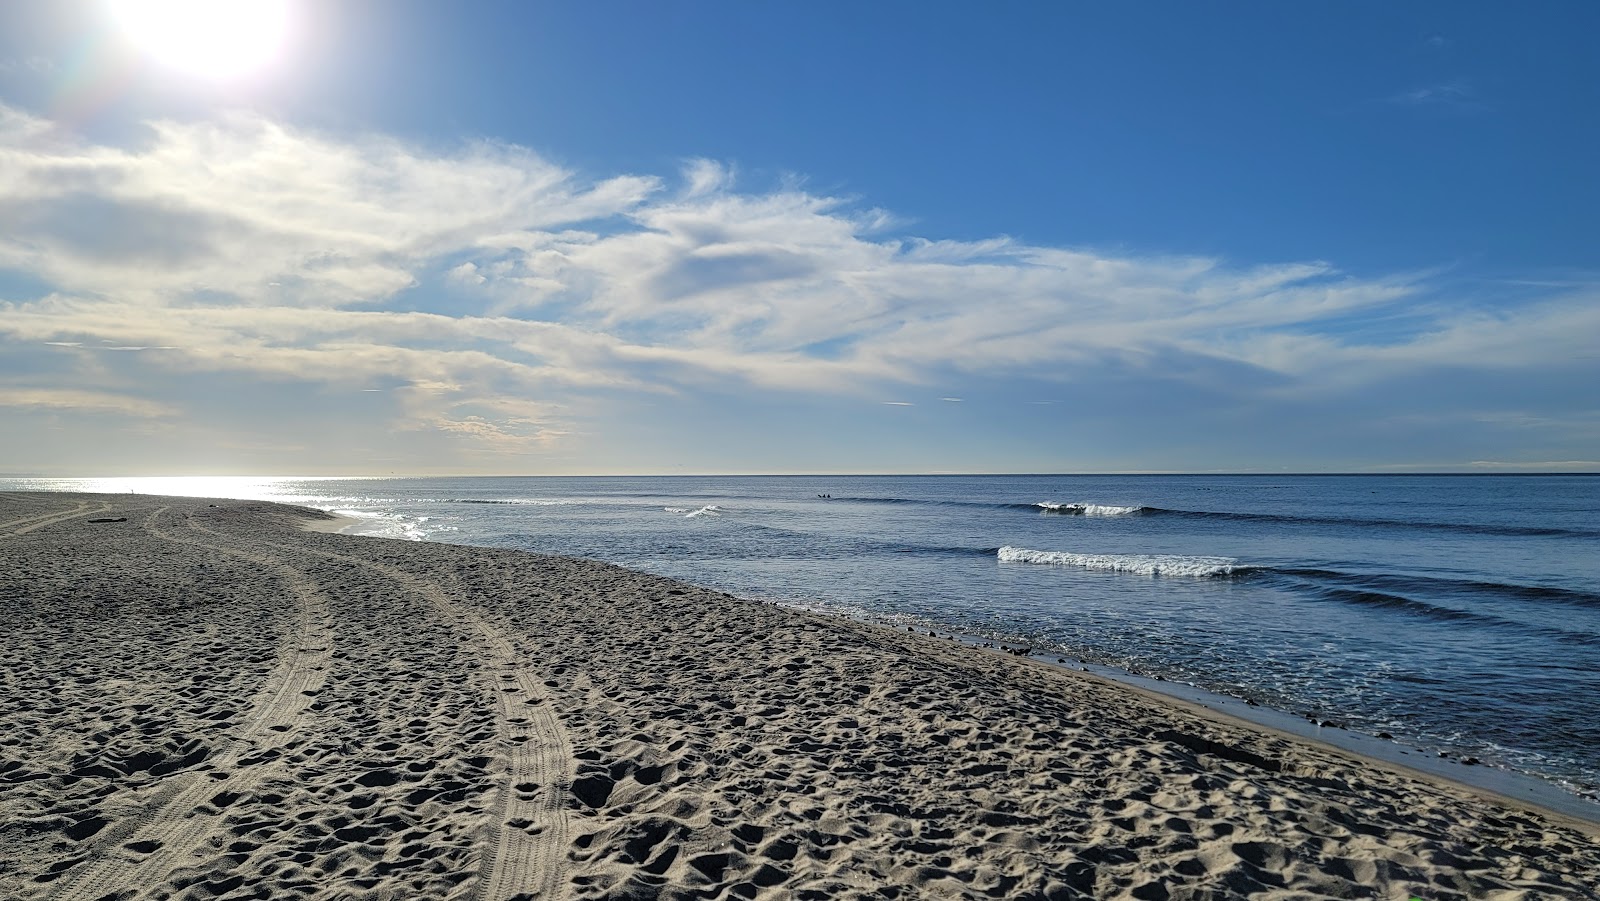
(881, 474)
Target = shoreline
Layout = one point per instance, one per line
(1493, 781)
(1502, 786)
(336, 523)
(232, 701)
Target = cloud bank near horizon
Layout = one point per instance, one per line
(494, 298)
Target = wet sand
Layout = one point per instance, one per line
(201, 699)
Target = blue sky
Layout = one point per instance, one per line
(822, 237)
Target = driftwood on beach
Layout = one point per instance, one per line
(200, 699)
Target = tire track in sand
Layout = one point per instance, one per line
(51, 518)
(525, 857)
(180, 816)
(45, 515)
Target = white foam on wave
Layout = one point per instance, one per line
(1142, 564)
(1086, 509)
(707, 510)
(377, 524)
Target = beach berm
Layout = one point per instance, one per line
(207, 699)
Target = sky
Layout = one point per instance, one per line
(372, 237)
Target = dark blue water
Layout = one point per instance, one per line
(1456, 612)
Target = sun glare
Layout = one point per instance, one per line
(214, 39)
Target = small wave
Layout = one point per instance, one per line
(513, 502)
(1371, 598)
(1397, 593)
(934, 550)
(1475, 528)
(1082, 509)
(1414, 607)
(1432, 584)
(1142, 564)
(1087, 509)
(1077, 509)
(927, 502)
(707, 510)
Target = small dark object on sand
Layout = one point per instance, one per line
(110, 519)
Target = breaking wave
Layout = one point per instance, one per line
(707, 510)
(1141, 564)
(1087, 509)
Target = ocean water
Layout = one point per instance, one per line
(1457, 613)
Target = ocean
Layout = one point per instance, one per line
(1458, 614)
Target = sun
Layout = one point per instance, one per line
(219, 40)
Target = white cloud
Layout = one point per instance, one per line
(467, 273)
(76, 400)
(704, 177)
(496, 294)
(1456, 95)
(234, 205)
(29, 66)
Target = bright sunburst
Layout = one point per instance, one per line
(212, 39)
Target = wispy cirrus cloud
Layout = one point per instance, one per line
(1457, 96)
(34, 65)
(247, 208)
(494, 296)
(78, 400)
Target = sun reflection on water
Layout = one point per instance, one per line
(237, 487)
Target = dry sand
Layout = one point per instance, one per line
(205, 701)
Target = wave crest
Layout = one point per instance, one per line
(1087, 509)
(1142, 564)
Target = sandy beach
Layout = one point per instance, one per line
(207, 699)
